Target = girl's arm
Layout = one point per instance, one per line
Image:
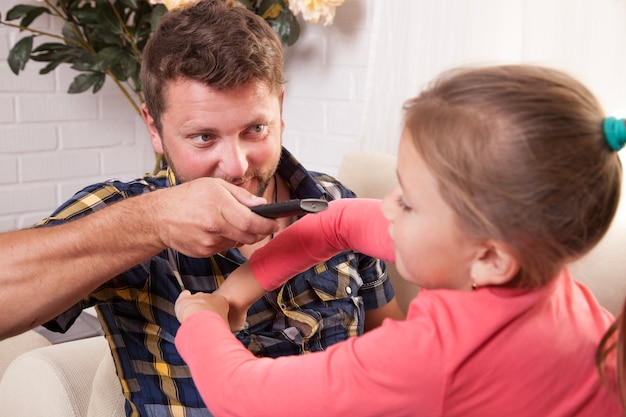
(347, 224)
(371, 375)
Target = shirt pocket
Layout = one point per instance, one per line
(330, 308)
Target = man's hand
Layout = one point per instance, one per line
(188, 304)
(203, 217)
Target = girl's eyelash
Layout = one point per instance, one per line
(402, 204)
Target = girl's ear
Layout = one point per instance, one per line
(155, 137)
(495, 264)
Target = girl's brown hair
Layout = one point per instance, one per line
(520, 155)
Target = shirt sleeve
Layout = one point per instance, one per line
(83, 203)
(370, 375)
(357, 224)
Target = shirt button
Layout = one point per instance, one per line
(348, 290)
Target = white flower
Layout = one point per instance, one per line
(315, 10)
(170, 4)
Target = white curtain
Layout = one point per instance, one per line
(414, 40)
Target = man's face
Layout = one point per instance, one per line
(234, 135)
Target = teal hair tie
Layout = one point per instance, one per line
(615, 132)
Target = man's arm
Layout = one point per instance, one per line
(47, 270)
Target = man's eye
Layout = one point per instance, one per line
(202, 138)
(257, 128)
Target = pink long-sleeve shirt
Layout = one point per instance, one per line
(490, 352)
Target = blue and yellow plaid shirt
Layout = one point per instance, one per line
(316, 309)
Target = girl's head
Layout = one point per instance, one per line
(519, 156)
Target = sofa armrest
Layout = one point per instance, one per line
(15, 346)
(106, 399)
(53, 380)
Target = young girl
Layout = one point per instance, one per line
(505, 175)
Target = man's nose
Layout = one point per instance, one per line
(234, 160)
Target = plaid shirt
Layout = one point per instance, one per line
(316, 309)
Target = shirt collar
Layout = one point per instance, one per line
(171, 178)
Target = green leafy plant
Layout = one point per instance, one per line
(104, 38)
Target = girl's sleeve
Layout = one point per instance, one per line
(390, 371)
(348, 224)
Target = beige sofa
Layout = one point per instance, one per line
(77, 378)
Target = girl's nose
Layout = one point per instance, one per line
(389, 204)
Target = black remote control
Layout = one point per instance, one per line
(290, 208)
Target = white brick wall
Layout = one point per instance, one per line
(53, 143)
(324, 95)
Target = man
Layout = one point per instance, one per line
(212, 76)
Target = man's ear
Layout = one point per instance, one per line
(495, 264)
(155, 137)
(282, 100)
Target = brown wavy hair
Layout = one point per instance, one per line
(213, 42)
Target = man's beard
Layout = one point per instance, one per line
(264, 182)
(264, 178)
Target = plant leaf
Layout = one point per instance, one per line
(22, 10)
(294, 31)
(51, 46)
(104, 37)
(83, 82)
(87, 15)
(107, 58)
(68, 33)
(125, 68)
(81, 65)
(20, 54)
(82, 56)
(103, 3)
(286, 26)
(157, 12)
(265, 5)
(130, 3)
(99, 83)
(32, 15)
(107, 20)
(52, 52)
(277, 14)
(53, 64)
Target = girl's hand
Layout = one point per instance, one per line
(188, 304)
